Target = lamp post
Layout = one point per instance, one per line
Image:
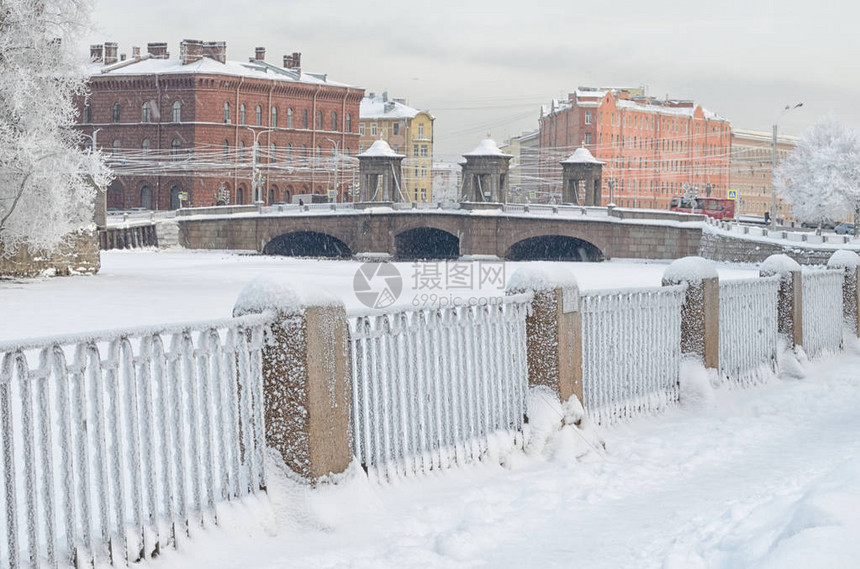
(773, 164)
(255, 182)
(334, 144)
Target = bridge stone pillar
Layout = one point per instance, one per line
(700, 314)
(790, 301)
(849, 263)
(380, 176)
(485, 174)
(581, 166)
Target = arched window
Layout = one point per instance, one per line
(177, 111)
(333, 120)
(175, 147)
(146, 197)
(226, 149)
(305, 118)
(144, 112)
(289, 118)
(116, 112)
(289, 153)
(241, 151)
(242, 113)
(259, 115)
(88, 114)
(274, 117)
(226, 112)
(319, 152)
(116, 146)
(319, 121)
(273, 153)
(348, 122)
(240, 195)
(145, 145)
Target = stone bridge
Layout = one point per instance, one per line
(439, 234)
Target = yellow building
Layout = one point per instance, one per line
(751, 168)
(407, 131)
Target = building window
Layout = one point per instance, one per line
(226, 150)
(333, 120)
(423, 171)
(274, 117)
(145, 145)
(289, 153)
(289, 118)
(319, 121)
(305, 119)
(396, 128)
(116, 146)
(348, 122)
(273, 153)
(415, 150)
(421, 130)
(361, 129)
(423, 194)
(88, 114)
(424, 150)
(226, 112)
(116, 112)
(177, 111)
(241, 151)
(242, 113)
(174, 149)
(259, 115)
(373, 130)
(587, 138)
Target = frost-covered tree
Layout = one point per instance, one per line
(821, 178)
(46, 181)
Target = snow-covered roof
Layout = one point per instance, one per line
(586, 99)
(380, 149)
(208, 66)
(384, 108)
(487, 147)
(582, 156)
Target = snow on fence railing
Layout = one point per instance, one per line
(822, 311)
(748, 329)
(631, 351)
(115, 444)
(430, 388)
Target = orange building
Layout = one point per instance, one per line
(653, 149)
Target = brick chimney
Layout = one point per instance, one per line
(157, 50)
(190, 51)
(216, 50)
(293, 62)
(260, 53)
(110, 53)
(97, 53)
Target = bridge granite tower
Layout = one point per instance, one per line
(485, 173)
(380, 174)
(581, 166)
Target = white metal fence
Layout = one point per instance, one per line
(115, 444)
(431, 387)
(748, 329)
(822, 311)
(631, 351)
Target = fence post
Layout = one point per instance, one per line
(553, 329)
(790, 301)
(306, 377)
(849, 263)
(700, 313)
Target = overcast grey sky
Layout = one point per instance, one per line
(482, 66)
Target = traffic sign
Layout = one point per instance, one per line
(732, 195)
(332, 194)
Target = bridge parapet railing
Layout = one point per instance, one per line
(431, 387)
(116, 445)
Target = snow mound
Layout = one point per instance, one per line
(541, 278)
(779, 264)
(690, 269)
(844, 259)
(695, 384)
(266, 293)
(558, 431)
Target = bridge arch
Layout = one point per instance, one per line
(553, 248)
(307, 244)
(426, 243)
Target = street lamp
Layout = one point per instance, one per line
(93, 138)
(334, 144)
(255, 171)
(773, 164)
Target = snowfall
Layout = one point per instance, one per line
(763, 477)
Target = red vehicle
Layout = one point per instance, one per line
(718, 208)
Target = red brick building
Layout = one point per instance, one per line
(205, 130)
(651, 147)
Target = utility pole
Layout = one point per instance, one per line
(773, 164)
(334, 163)
(255, 171)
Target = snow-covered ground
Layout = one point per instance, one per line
(156, 287)
(767, 477)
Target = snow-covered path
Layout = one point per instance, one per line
(767, 477)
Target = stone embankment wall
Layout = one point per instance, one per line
(80, 255)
